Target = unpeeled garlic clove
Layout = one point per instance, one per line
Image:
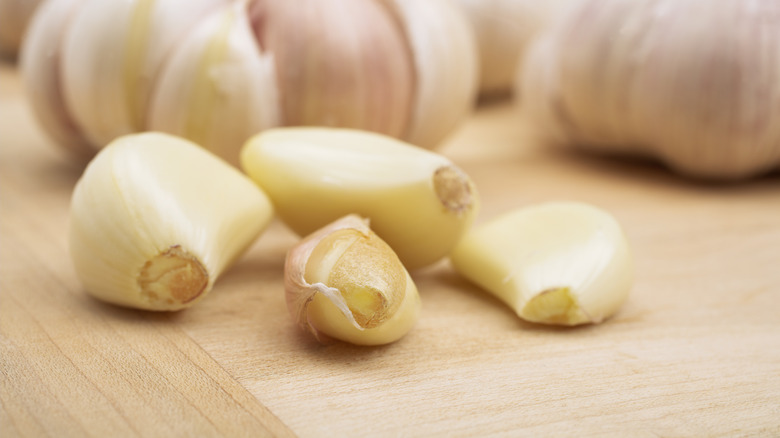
(150, 229)
(560, 263)
(95, 62)
(418, 201)
(219, 87)
(40, 67)
(219, 71)
(343, 282)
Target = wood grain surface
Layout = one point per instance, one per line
(694, 352)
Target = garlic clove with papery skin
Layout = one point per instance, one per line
(150, 228)
(41, 55)
(445, 60)
(418, 201)
(219, 87)
(343, 282)
(560, 263)
(91, 66)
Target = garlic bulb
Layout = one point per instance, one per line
(220, 71)
(693, 83)
(344, 282)
(504, 29)
(90, 65)
(14, 18)
(563, 263)
(149, 228)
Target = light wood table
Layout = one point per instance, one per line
(694, 352)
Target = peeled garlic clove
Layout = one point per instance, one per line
(150, 228)
(663, 79)
(219, 87)
(445, 59)
(344, 282)
(418, 201)
(40, 60)
(560, 263)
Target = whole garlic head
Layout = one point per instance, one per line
(218, 72)
(693, 83)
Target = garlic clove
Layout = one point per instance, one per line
(148, 230)
(418, 201)
(40, 60)
(445, 60)
(111, 56)
(219, 87)
(343, 282)
(90, 65)
(340, 63)
(561, 263)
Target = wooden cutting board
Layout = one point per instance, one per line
(694, 352)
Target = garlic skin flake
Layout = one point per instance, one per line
(418, 201)
(343, 282)
(150, 229)
(662, 79)
(561, 263)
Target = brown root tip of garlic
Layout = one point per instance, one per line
(174, 276)
(453, 188)
(363, 268)
(553, 306)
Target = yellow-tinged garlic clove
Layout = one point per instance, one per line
(560, 263)
(343, 282)
(445, 59)
(150, 229)
(418, 201)
(219, 87)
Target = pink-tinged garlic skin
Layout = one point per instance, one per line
(219, 71)
(694, 83)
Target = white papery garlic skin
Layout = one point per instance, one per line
(219, 71)
(693, 83)
(94, 63)
(504, 29)
(343, 282)
(155, 220)
(418, 201)
(561, 263)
